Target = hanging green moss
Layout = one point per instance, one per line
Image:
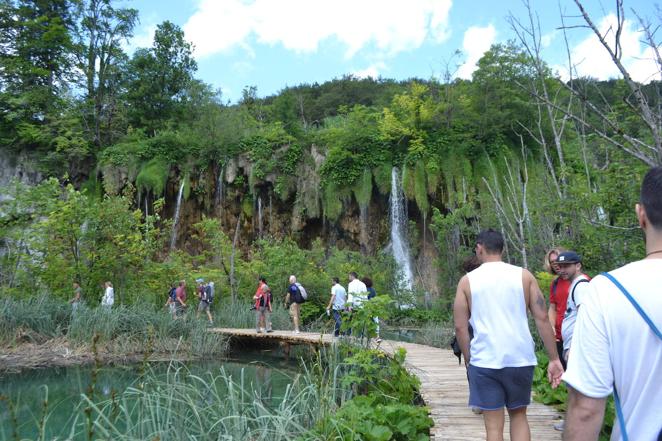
(284, 187)
(153, 176)
(434, 175)
(408, 182)
(187, 186)
(363, 188)
(420, 188)
(247, 206)
(331, 202)
(382, 175)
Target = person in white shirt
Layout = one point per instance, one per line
(569, 266)
(615, 349)
(108, 296)
(357, 292)
(337, 302)
(500, 358)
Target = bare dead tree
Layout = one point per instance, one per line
(510, 199)
(605, 124)
(548, 103)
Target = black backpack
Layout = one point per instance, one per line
(209, 294)
(173, 294)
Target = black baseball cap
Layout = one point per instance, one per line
(568, 257)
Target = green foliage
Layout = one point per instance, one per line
(363, 188)
(332, 202)
(382, 175)
(153, 177)
(420, 188)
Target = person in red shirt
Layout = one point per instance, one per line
(558, 297)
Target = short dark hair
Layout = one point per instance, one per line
(353, 274)
(491, 240)
(651, 196)
(262, 279)
(367, 281)
(335, 280)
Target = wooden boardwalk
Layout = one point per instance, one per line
(444, 387)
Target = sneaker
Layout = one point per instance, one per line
(296, 331)
(559, 426)
(378, 340)
(263, 331)
(269, 330)
(257, 331)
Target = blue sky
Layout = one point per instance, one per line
(272, 44)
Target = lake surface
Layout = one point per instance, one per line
(264, 373)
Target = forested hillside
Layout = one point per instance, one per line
(115, 138)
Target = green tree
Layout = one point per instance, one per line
(160, 77)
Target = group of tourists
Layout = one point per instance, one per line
(176, 302)
(107, 300)
(602, 336)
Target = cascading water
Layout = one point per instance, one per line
(399, 242)
(259, 216)
(173, 238)
(363, 233)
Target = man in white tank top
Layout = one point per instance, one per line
(500, 358)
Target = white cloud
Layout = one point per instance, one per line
(477, 40)
(372, 71)
(300, 25)
(547, 39)
(143, 38)
(592, 59)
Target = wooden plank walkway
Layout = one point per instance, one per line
(444, 388)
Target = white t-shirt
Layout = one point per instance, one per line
(108, 297)
(340, 297)
(576, 295)
(498, 318)
(357, 293)
(613, 344)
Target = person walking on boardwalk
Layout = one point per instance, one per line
(180, 298)
(337, 304)
(294, 299)
(570, 268)
(617, 340)
(367, 281)
(357, 292)
(204, 295)
(262, 300)
(108, 298)
(500, 358)
(558, 298)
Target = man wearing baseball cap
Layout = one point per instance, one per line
(570, 268)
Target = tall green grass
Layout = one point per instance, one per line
(128, 328)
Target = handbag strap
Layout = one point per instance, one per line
(649, 322)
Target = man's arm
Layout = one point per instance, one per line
(331, 300)
(551, 315)
(461, 314)
(584, 418)
(538, 308)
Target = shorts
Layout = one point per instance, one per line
(203, 306)
(492, 389)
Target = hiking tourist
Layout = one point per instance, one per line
(569, 266)
(617, 340)
(367, 281)
(500, 358)
(204, 295)
(171, 302)
(357, 292)
(558, 298)
(294, 300)
(108, 296)
(76, 300)
(262, 307)
(337, 304)
(180, 298)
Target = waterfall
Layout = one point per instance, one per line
(398, 218)
(259, 216)
(219, 188)
(173, 238)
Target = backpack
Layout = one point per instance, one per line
(302, 292)
(209, 293)
(173, 294)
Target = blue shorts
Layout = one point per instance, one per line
(492, 389)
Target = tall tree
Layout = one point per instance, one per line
(160, 77)
(103, 27)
